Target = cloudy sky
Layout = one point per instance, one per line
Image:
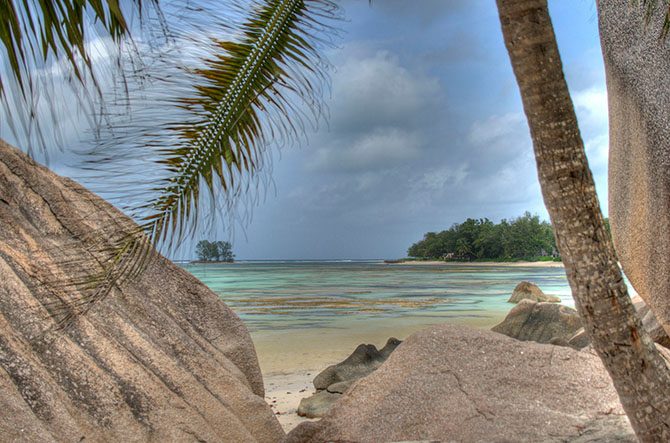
(426, 129)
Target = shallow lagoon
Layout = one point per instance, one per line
(290, 295)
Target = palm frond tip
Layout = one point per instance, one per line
(45, 43)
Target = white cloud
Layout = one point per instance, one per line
(378, 115)
(495, 127)
(381, 147)
(443, 178)
(591, 108)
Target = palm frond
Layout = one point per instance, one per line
(40, 37)
(209, 128)
(244, 83)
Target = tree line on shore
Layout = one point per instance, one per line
(522, 238)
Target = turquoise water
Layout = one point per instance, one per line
(281, 295)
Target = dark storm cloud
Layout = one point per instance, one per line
(425, 10)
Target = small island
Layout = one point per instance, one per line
(214, 252)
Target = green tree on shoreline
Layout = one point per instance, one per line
(522, 238)
(216, 251)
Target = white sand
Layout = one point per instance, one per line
(516, 264)
(283, 392)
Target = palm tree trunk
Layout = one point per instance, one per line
(639, 373)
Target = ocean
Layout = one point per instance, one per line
(298, 295)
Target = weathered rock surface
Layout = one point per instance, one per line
(580, 340)
(337, 379)
(637, 63)
(161, 359)
(540, 322)
(530, 291)
(340, 387)
(450, 383)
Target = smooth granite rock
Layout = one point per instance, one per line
(317, 405)
(337, 379)
(540, 322)
(160, 359)
(530, 291)
(637, 63)
(364, 360)
(456, 384)
(651, 323)
(580, 340)
(340, 387)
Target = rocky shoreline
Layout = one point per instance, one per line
(531, 323)
(450, 383)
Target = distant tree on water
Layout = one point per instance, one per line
(220, 251)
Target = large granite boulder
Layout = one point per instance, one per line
(540, 322)
(580, 339)
(451, 383)
(530, 291)
(336, 379)
(637, 63)
(160, 359)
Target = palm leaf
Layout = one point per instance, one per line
(38, 35)
(246, 80)
(256, 90)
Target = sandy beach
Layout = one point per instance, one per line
(516, 264)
